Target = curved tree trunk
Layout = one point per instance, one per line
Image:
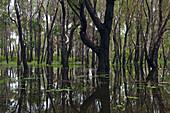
(104, 29)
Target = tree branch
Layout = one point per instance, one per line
(13, 20)
(71, 37)
(94, 16)
(52, 24)
(165, 23)
(74, 10)
(109, 15)
(83, 33)
(34, 13)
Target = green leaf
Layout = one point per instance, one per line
(161, 85)
(139, 88)
(57, 90)
(119, 106)
(130, 97)
(1, 81)
(153, 87)
(114, 107)
(28, 78)
(148, 86)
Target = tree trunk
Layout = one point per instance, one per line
(5, 43)
(64, 58)
(93, 36)
(82, 54)
(104, 30)
(49, 36)
(103, 56)
(58, 49)
(31, 46)
(39, 36)
(87, 57)
(35, 40)
(19, 55)
(23, 54)
(2, 44)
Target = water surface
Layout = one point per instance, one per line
(80, 90)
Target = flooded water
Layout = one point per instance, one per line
(80, 90)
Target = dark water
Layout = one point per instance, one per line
(80, 90)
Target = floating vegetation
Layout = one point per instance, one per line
(29, 78)
(119, 106)
(153, 87)
(130, 97)
(161, 85)
(58, 90)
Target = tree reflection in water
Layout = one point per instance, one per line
(101, 93)
(80, 90)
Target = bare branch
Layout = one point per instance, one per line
(52, 24)
(13, 20)
(94, 16)
(83, 33)
(74, 10)
(109, 15)
(34, 13)
(165, 23)
(71, 37)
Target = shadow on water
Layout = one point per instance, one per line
(80, 90)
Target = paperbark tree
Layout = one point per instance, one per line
(104, 29)
(65, 52)
(156, 34)
(19, 26)
(48, 32)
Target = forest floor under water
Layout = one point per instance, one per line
(53, 89)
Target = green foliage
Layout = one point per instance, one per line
(58, 90)
(13, 59)
(3, 4)
(75, 2)
(119, 106)
(35, 58)
(1, 81)
(35, 25)
(71, 59)
(55, 57)
(4, 17)
(56, 30)
(78, 37)
(1, 58)
(131, 97)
